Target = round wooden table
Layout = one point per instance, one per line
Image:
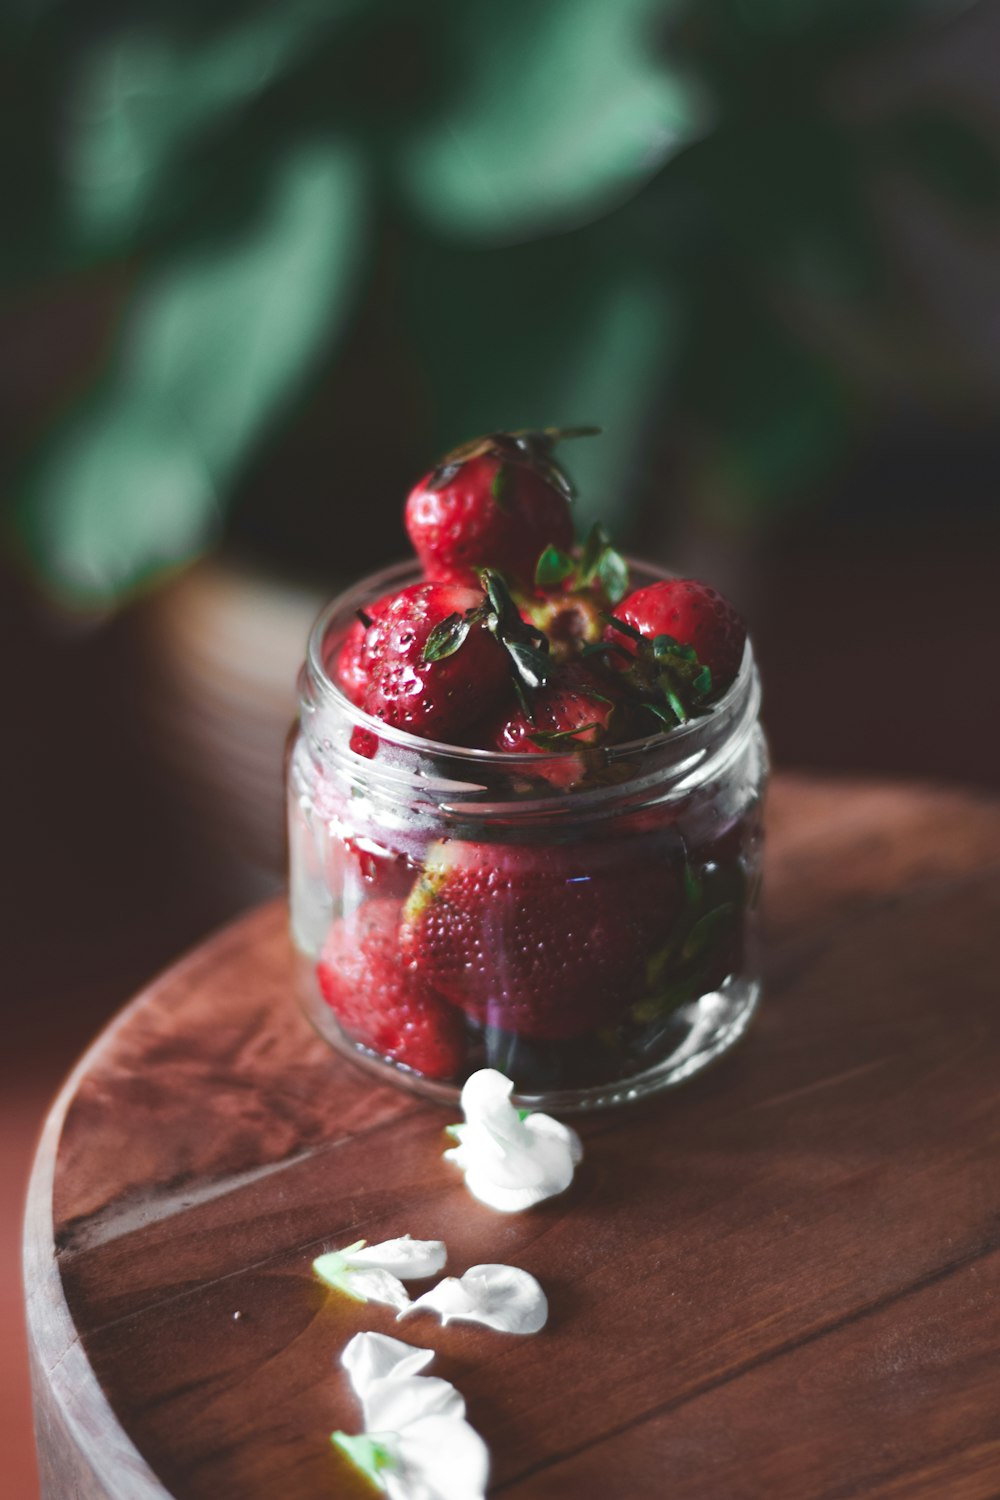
(779, 1280)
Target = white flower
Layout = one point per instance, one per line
(376, 1273)
(417, 1444)
(502, 1297)
(510, 1161)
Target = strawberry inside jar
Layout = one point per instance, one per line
(525, 802)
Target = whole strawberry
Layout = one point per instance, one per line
(574, 710)
(414, 686)
(497, 502)
(352, 664)
(547, 941)
(381, 1003)
(694, 615)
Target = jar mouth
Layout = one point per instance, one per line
(398, 576)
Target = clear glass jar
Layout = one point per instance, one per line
(582, 922)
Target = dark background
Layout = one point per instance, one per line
(262, 269)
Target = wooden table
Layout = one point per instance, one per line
(780, 1280)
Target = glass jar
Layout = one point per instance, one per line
(583, 922)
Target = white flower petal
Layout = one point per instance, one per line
(392, 1404)
(417, 1444)
(440, 1459)
(370, 1357)
(544, 1126)
(409, 1259)
(376, 1286)
(501, 1297)
(510, 1163)
(486, 1101)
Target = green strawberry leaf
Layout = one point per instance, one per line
(596, 542)
(446, 637)
(671, 696)
(705, 929)
(556, 739)
(217, 339)
(701, 683)
(553, 567)
(532, 666)
(670, 997)
(692, 885)
(664, 647)
(626, 629)
(665, 715)
(612, 569)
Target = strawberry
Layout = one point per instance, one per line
(413, 685)
(694, 616)
(547, 941)
(352, 665)
(496, 502)
(380, 1002)
(573, 710)
(441, 656)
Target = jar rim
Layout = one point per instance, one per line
(400, 574)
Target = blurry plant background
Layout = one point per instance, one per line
(265, 262)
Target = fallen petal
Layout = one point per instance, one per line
(501, 1297)
(409, 1259)
(392, 1404)
(439, 1459)
(510, 1163)
(370, 1357)
(376, 1286)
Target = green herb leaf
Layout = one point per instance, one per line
(553, 567)
(446, 637)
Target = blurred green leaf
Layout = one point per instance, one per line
(146, 99)
(216, 342)
(554, 110)
(769, 411)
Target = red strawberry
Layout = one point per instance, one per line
(573, 710)
(439, 697)
(547, 941)
(380, 1002)
(352, 666)
(497, 502)
(694, 615)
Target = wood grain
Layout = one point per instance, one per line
(781, 1279)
